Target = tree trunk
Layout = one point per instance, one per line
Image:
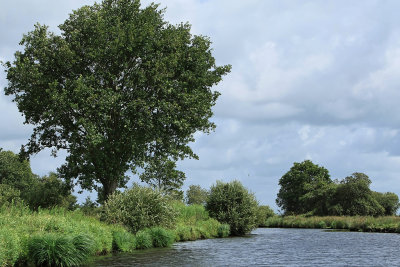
(109, 187)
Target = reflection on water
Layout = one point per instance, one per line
(276, 247)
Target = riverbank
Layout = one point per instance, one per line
(387, 224)
(69, 238)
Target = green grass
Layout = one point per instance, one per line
(123, 241)
(58, 237)
(143, 240)
(67, 238)
(387, 224)
(194, 223)
(161, 237)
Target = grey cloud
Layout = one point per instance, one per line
(310, 79)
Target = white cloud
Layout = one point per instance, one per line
(310, 79)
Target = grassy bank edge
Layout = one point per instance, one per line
(58, 237)
(385, 224)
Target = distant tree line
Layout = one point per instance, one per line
(18, 183)
(308, 189)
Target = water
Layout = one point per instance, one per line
(273, 247)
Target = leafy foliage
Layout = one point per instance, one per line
(196, 195)
(162, 175)
(233, 204)
(16, 173)
(8, 194)
(389, 201)
(307, 189)
(117, 86)
(138, 208)
(354, 197)
(50, 191)
(304, 188)
(263, 213)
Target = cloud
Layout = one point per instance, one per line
(310, 79)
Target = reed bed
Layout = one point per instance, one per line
(386, 224)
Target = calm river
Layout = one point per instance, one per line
(273, 247)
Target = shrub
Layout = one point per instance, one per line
(263, 213)
(161, 237)
(143, 240)
(123, 241)
(233, 204)
(138, 208)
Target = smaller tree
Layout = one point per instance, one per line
(16, 173)
(233, 204)
(138, 208)
(196, 195)
(389, 201)
(50, 191)
(354, 197)
(161, 174)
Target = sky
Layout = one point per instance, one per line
(316, 80)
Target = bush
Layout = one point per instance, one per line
(138, 208)
(161, 237)
(233, 204)
(263, 213)
(143, 240)
(123, 241)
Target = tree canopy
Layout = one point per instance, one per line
(196, 195)
(116, 87)
(303, 188)
(307, 189)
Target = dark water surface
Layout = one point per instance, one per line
(273, 247)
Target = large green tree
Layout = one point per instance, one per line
(305, 188)
(119, 85)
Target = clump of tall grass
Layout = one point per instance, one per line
(191, 214)
(53, 249)
(143, 240)
(224, 230)
(10, 247)
(123, 241)
(161, 237)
